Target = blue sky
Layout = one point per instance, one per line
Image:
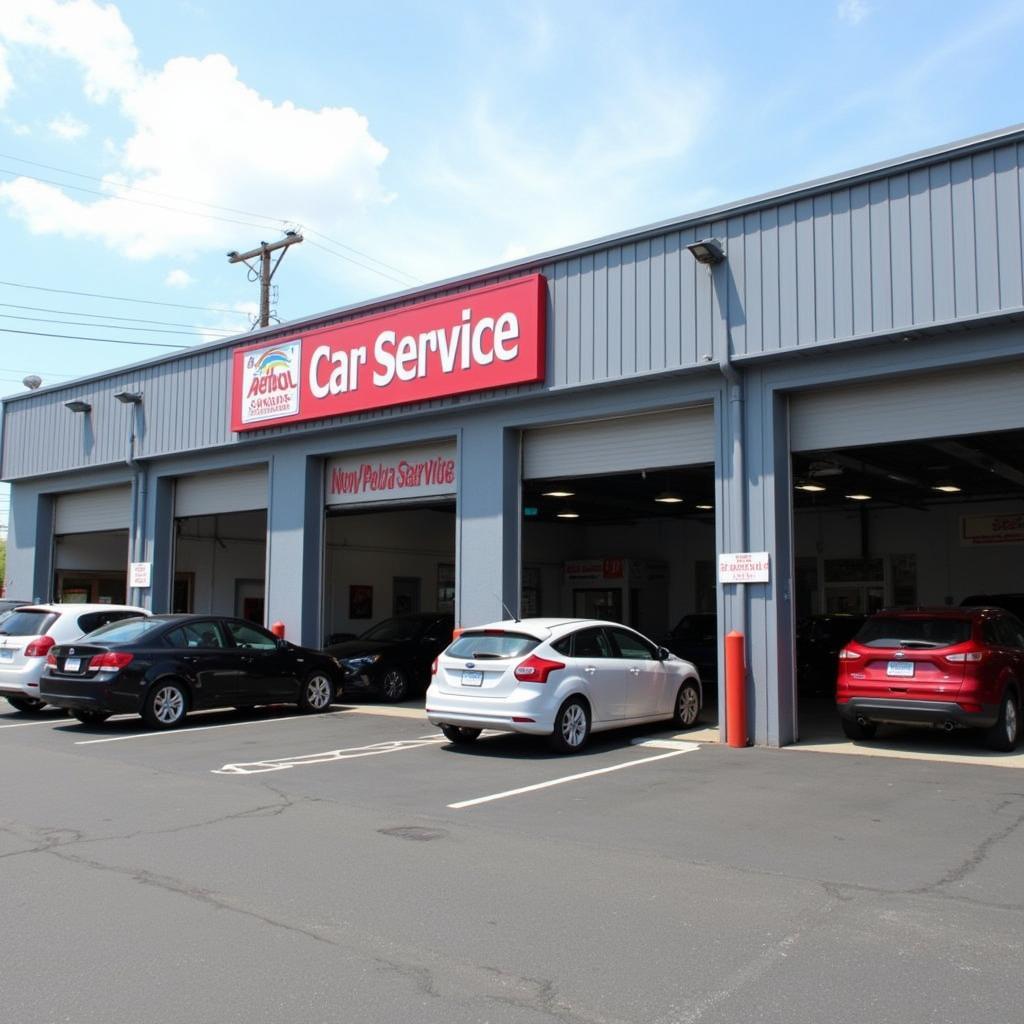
(413, 141)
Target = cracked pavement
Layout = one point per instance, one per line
(718, 887)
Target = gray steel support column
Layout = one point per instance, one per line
(29, 572)
(488, 524)
(159, 543)
(295, 523)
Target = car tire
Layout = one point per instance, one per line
(317, 694)
(26, 705)
(166, 705)
(1004, 734)
(687, 706)
(572, 727)
(87, 717)
(460, 735)
(853, 730)
(394, 685)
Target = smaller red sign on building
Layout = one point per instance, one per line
(484, 338)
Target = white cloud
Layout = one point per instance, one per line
(6, 81)
(853, 12)
(68, 128)
(198, 132)
(179, 279)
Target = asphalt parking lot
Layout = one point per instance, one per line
(354, 867)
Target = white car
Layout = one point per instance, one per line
(562, 678)
(28, 633)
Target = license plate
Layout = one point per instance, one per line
(6, 654)
(72, 664)
(472, 679)
(902, 669)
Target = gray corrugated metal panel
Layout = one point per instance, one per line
(963, 401)
(104, 508)
(205, 494)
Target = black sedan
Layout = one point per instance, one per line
(392, 659)
(165, 666)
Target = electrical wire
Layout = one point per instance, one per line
(106, 316)
(123, 298)
(109, 341)
(342, 256)
(114, 327)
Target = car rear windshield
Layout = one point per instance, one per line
(897, 631)
(492, 645)
(28, 622)
(125, 632)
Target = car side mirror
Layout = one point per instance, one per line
(282, 644)
(664, 654)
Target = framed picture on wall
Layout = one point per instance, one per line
(360, 601)
(445, 587)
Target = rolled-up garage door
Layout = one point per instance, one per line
(232, 490)
(971, 400)
(105, 508)
(679, 437)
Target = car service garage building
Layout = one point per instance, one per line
(835, 382)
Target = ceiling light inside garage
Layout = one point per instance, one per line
(812, 488)
(859, 497)
(704, 508)
(947, 488)
(669, 498)
(568, 514)
(558, 494)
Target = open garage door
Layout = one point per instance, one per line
(91, 545)
(907, 493)
(220, 550)
(619, 524)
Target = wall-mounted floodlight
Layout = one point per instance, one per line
(77, 406)
(707, 250)
(129, 397)
(32, 381)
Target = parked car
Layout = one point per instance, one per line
(167, 665)
(947, 667)
(558, 678)
(28, 633)
(694, 638)
(392, 659)
(8, 604)
(1013, 603)
(819, 639)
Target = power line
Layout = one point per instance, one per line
(12, 369)
(109, 341)
(372, 259)
(113, 327)
(342, 256)
(123, 298)
(106, 316)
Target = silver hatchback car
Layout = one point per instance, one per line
(562, 678)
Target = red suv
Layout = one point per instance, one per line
(946, 667)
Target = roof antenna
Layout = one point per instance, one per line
(505, 608)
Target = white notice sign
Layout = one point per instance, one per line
(744, 567)
(139, 574)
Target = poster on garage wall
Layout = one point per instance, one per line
(1002, 528)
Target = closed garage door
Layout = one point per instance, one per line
(681, 437)
(967, 401)
(236, 490)
(106, 508)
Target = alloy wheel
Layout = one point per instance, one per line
(394, 685)
(318, 692)
(574, 725)
(687, 706)
(1011, 720)
(168, 705)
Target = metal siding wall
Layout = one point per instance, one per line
(902, 249)
(970, 400)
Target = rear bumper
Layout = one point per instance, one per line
(87, 695)
(916, 712)
(21, 681)
(536, 718)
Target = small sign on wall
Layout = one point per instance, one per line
(744, 567)
(139, 574)
(1005, 528)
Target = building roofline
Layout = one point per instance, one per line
(921, 158)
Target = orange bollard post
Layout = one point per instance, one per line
(278, 629)
(735, 691)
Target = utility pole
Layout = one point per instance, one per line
(265, 271)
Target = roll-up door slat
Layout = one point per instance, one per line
(207, 494)
(106, 508)
(680, 437)
(968, 401)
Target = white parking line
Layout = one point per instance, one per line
(22, 725)
(570, 778)
(278, 764)
(188, 730)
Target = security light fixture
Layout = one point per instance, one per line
(567, 514)
(557, 494)
(859, 497)
(705, 508)
(77, 406)
(669, 498)
(129, 397)
(947, 488)
(810, 488)
(707, 250)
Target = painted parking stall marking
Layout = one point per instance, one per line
(277, 764)
(689, 748)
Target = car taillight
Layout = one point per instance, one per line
(39, 648)
(536, 670)
(51, 661)
(965, 656)
(433, 668)
(847, 655)
(110, 659)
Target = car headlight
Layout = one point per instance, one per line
(364, 662)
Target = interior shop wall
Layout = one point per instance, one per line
(371, 549)
(98, 552)
(218, 551)
(947, 570)
(678, 543)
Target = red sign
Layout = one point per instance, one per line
(484, 338)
